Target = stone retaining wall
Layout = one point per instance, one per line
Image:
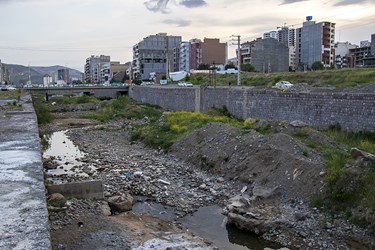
(353, 111)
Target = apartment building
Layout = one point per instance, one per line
(315, 42)
(364, 56)
(214, 52)
(271, 34)
(184, 56)
(195, 53)
(63, 76)
(93, 68)
(287, 36)
(155, 53)
(343, 58)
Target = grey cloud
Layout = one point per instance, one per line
(291, 1)
(178, 23)
(349, 2)
(161, 5)
(157, 5)
(193, 3)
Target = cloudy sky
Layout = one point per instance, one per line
(66, 32)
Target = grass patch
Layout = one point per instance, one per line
(74, 99)
(336, 78)
(124, 107)
(349, 188)
(43, 114)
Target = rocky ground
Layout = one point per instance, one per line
(261, 182)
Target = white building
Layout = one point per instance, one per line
(271, 34)
(185, 56)
(47, 80)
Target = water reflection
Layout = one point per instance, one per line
(209, 223)
(66, 156)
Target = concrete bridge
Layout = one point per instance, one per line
(98, 91)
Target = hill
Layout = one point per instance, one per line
(19, 74)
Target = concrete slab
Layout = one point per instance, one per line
(85, 190)
(23, 210)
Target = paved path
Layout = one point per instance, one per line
(23, 212)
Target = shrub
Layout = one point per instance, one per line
(43, 114)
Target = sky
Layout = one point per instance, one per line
(66, 32)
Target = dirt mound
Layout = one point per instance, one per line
(275, 160)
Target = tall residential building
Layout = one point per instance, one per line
(195, 53)
(63, 76)
(47, 80)
(287, 36)
(315, 42)
(373, 44)
(365, 43)
(271, 34)
(155, 53)
(184, 56)
(4, 74)
(93, 68)
(214, 52)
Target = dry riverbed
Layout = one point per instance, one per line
(182, 185)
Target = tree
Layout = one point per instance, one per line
(247, 67)
(317, 66)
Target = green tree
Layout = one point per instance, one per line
(317, 65)
(247, 67)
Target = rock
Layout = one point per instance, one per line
(300, 216)
(220, 179)
(356, 153)
(57, 200)
(298, 124)
(263, 192)
(121, 203)
(254, 223)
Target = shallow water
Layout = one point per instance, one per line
(207, 223)
(67, 156)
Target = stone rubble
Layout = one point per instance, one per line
(130, 167)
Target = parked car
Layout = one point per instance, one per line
(185, 84)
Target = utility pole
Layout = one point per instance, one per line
(238, 43)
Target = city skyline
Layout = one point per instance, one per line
(50, 32)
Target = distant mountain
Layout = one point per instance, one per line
(52, 71)
(19, 74)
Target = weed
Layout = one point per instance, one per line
(264, 181)
(316, 201)
(305, 153)
(41, 109)
(301, 133)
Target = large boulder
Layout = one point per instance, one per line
(56, 200)
(121, 203)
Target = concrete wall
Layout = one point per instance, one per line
(84, 190)
(23, 209)
(352, 111)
